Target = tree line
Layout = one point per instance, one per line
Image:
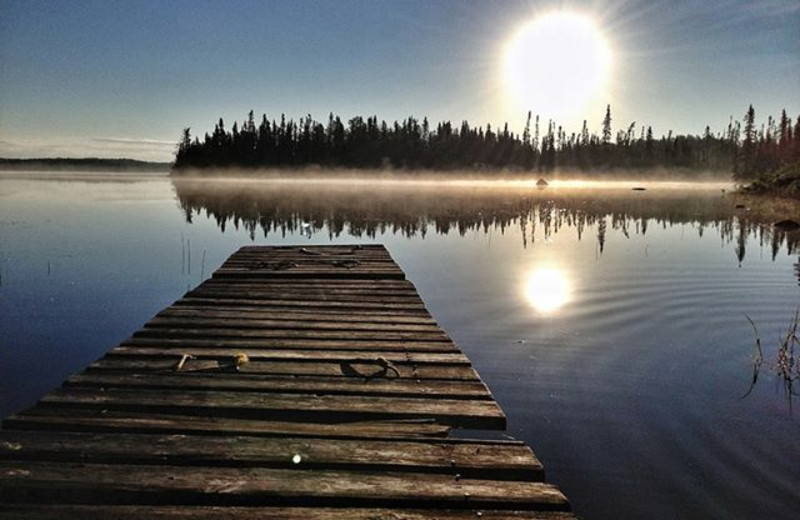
(743, 148)
(86, 163)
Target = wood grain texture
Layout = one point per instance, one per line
(105, 420)
(501, 461)
(420, 388)
(211, 322)
(49, 482)
(296, 383)
(352, 356)
(308, 304)
(379, 345)
(296, 407)
(366, 370)
(139, 512)
(244, 313)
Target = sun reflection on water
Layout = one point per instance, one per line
(548, 289)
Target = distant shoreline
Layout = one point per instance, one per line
(83, 165)
(315, 173)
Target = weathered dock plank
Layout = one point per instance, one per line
(297, 382)
(367, 370)
(294, 343)
(308, 305)
(291, 334)
(225, 322)
(483, 460)
(351, 356)
(322, 296)
(244, 313)
(420, 388)
(138, 512)
(478, 414)
(104, 420)
(49, 482)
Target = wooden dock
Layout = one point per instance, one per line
(296, 383)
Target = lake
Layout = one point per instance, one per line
(610, 324)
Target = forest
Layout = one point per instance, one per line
(744, 148)
(83, 164)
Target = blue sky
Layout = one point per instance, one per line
(122, 78)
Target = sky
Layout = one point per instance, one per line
(123, 78)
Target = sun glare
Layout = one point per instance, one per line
(556, 64)
(547, 290)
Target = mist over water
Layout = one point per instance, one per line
(608, 323)
(364, 208)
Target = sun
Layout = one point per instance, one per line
(547, 289)
(555, 64)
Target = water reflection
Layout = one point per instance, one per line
(272, 207)
(645, 363)
(548, 289)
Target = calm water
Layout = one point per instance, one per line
(609, 324)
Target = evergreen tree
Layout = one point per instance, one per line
(607, 126)
(796, 152)
(182, 156)
(784, 137)
(748, 145)
(526, 133)
(649, 148)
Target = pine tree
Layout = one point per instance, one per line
(182, 156)
(607, 126)
(749, 144)
(649, 147)
(264, 142)
(526, 133)
(796, 148)
(784, 136)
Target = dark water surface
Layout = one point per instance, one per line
(609, 324)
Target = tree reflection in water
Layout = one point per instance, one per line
(416, 209)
